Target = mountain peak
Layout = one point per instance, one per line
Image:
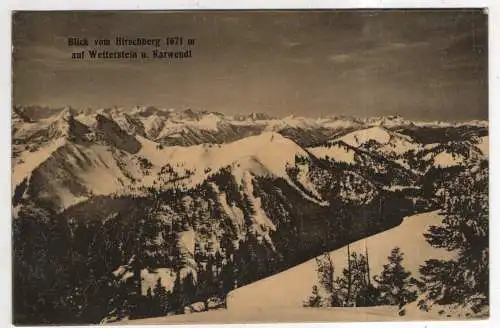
(380, 135)
(66, 114)
(254, 116)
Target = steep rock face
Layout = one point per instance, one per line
(252, 117)
(109, 131)
(128, 123)
(36, 113)
(188, 135)
(31, 135)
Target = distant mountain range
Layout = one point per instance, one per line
(125, 145)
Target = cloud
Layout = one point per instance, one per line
(378, 57)
(291, 44)
(341, 58)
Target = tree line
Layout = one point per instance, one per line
(354, 287)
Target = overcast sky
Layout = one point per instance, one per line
(422, 65)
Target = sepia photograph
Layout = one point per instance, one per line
(249, 166)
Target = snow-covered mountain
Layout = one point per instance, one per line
(258, 193)
(373, 164)
(381, 139)
(64, 158)
(189, 127)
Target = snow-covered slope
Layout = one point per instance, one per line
(267, 154)
(338, 152)
(287, 293)
(138, 163)
(280, 297)
(451, 154)
(383, 140)
(269, 149)
(483, 144)
(370, 164)
(327, 316)
(446, 159)
(72, 173)
(28, 161)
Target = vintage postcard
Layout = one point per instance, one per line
(249, 166)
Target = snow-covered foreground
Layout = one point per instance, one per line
(279, 298)
(378, 313)
(290, 288)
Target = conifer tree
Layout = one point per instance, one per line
(465, 231)
(325, 271)
(353, 282)
(315, 299)
(227, 278)
(160, 298)
(188, 289)
(395, 282)
(176, 298)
